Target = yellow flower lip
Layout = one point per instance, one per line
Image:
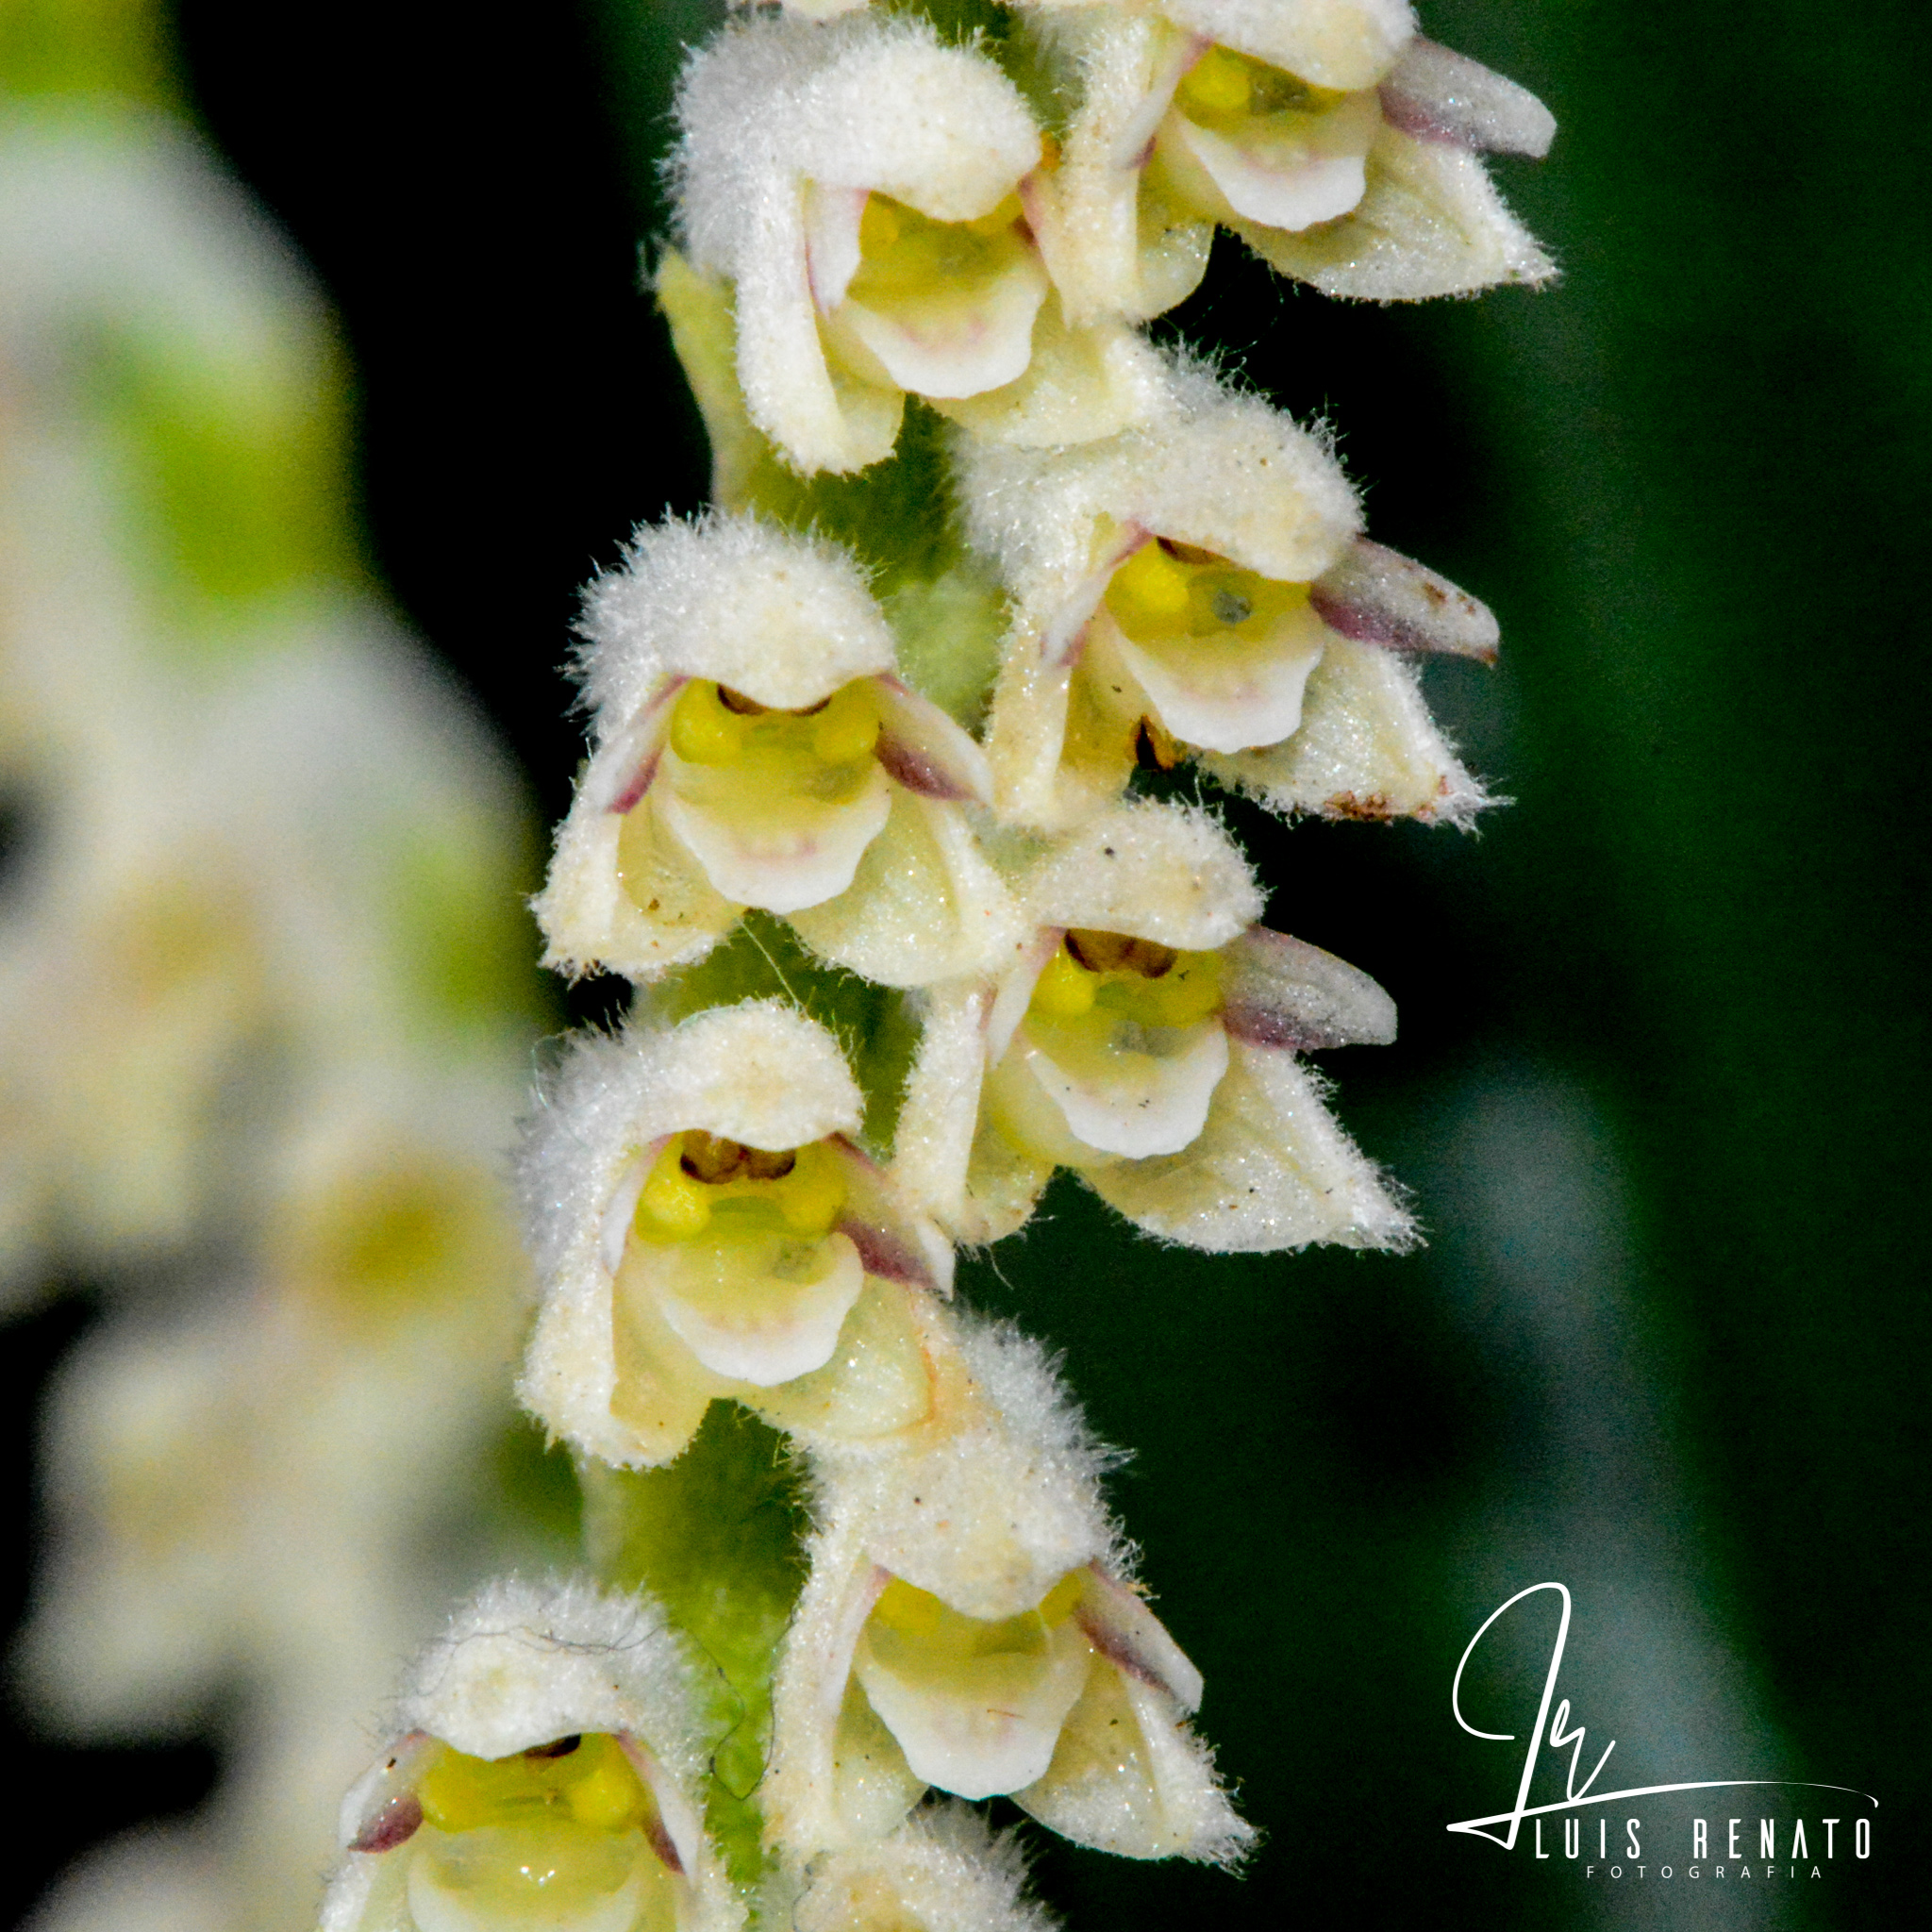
(698, 1175)
(1168, 589)
(584, 1779)
(1223, 86)
(976, 1704)
(1127, 977)
(1248, 143)
(714, 724)
(937, 308)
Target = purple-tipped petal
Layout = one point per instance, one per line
(1378, 596)
(924, 751)
(1283, 992)
(1434, 94)
(381, 1811)
(672, 1826)
(1131, 1637)
(396, 1821)
(634, 766)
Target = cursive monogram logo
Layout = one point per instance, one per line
(1500, 1828)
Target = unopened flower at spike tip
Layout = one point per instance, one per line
(943, 1870)
(1368, 184)
(705, 1227)
(541, 1775)
(864, 188)
(1199, 588)
(754, 746)
(966, 1625)
(1147, 1039)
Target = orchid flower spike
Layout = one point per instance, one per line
(865, 188)
(967, 1625)
(540, 1774)
(1199, 588)
(943, 1870)
(703, 1226)
(1338, 158)
(1147, 1039)
(752, 746)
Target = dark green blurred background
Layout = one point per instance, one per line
(1658, 1087)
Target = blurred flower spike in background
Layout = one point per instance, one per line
(1056, 430)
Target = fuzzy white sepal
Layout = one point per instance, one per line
(786, 619)
(522, 1662)
(1166, 873)
(772, 109)
(1367, 749)
(1430, 223)
(940, 1113)
(924, 904)
(1114, 249)
(991, 1512)
(1131, 1778)
(1271, 1172)
(943, 1870)
(1084, 382)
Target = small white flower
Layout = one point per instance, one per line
(705, 1227)
(1367, 184)
(943, 1870)
(1147, 1041)
(1198, 588)
(966, 1625)
(863, 187)
(541, 1774)
(754, 746)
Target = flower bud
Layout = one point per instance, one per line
(705, 1227)
(754, 746)
(965, 1625)
(541, 1775)
(1198, 588)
